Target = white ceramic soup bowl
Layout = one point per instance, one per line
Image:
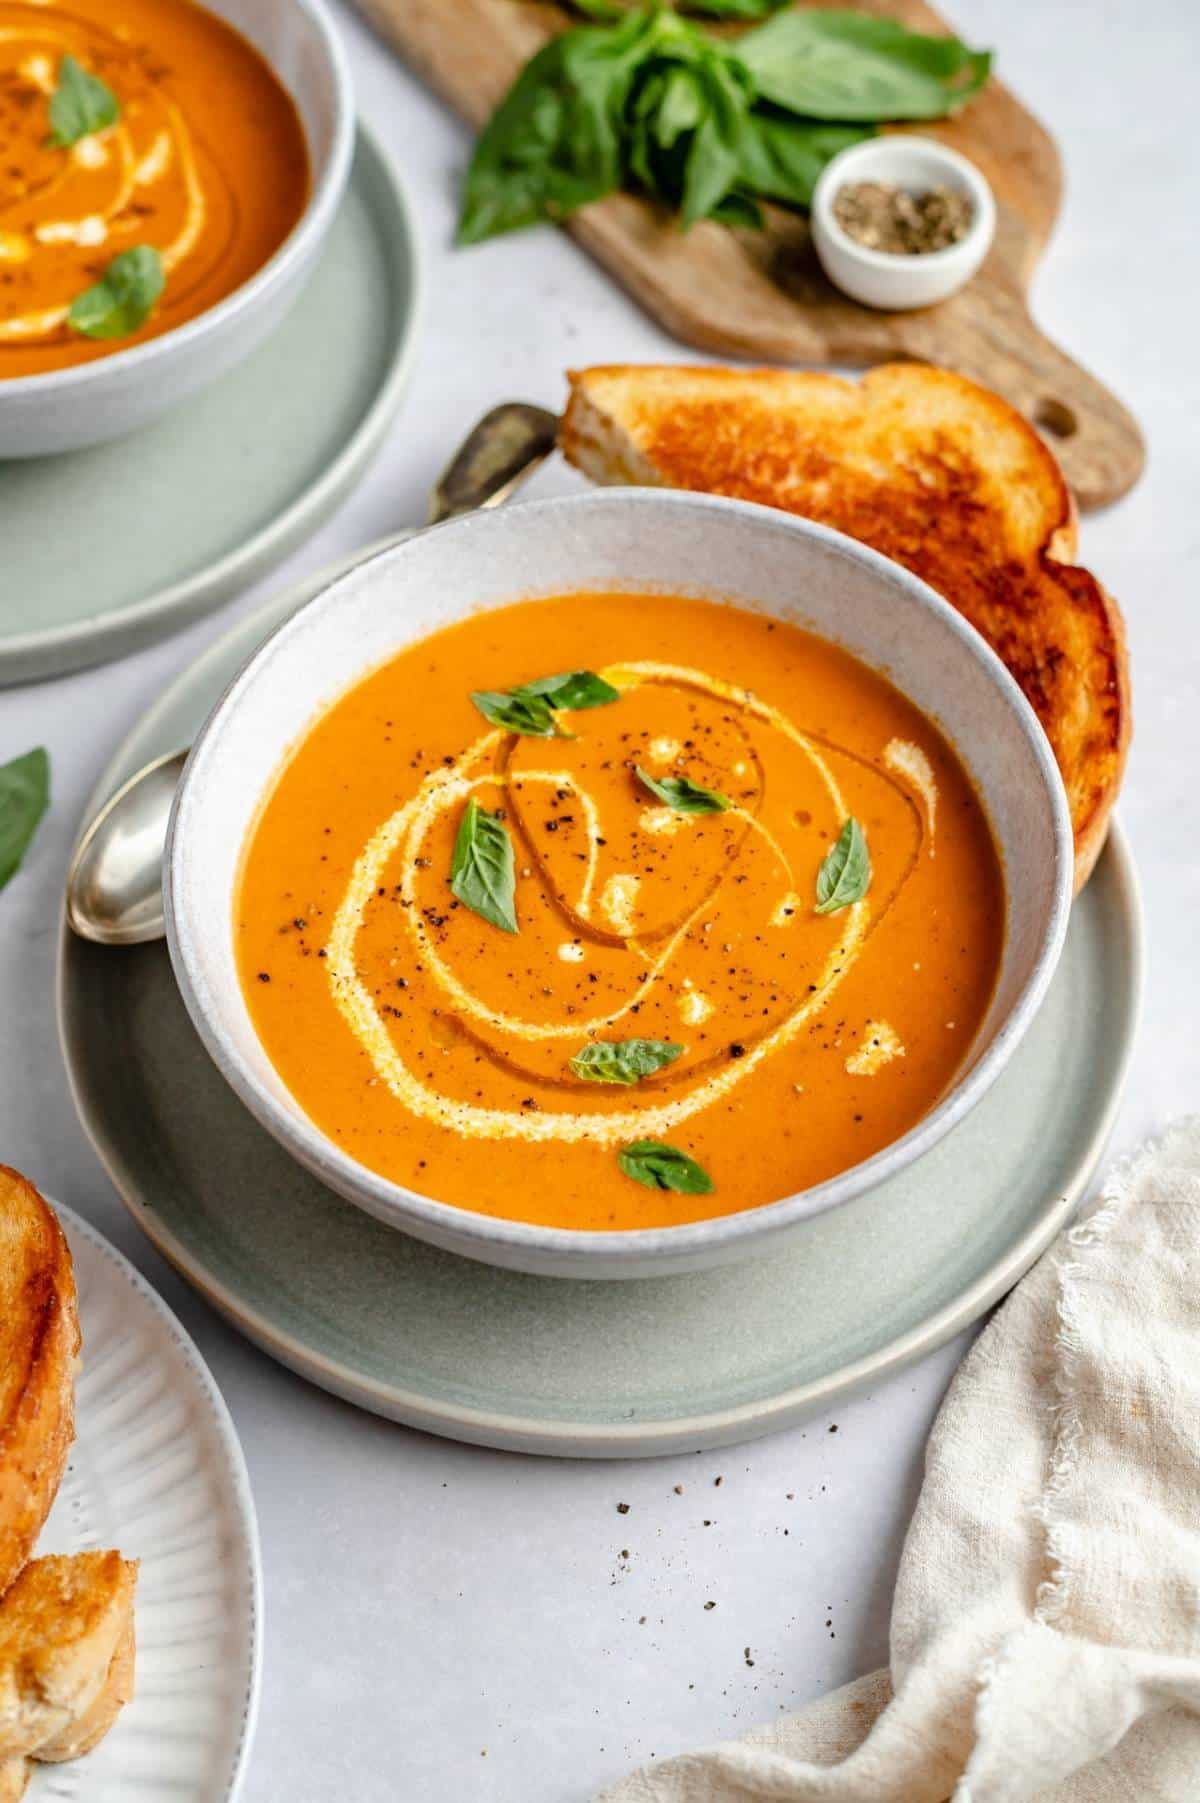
(67, 409)
(631, 538)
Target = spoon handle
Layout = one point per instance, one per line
(497, 455)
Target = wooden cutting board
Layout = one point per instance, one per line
(762, 295)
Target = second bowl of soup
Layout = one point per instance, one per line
(170, 173)
(605, 886)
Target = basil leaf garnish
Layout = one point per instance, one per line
(623, 1060)
(530, 715)
(79, 105)
(575, 689)
(684, 796)
(657, 1166)
(123, 298)
(530, 708)
(845, 872)
(481, 871)
(24, 798)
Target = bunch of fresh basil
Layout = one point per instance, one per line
(649, 101)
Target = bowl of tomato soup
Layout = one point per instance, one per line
(604, 886)
(169, 175)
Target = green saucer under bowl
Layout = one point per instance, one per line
(551, 1365)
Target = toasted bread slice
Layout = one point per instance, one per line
(14, 1776)
(66, 1654)
(39, 1345)
(86, 1731)
(928, 468)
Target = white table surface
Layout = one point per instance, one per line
(447, 1623)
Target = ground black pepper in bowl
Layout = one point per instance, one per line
(881, 216)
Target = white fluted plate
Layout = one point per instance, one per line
(157, 1471)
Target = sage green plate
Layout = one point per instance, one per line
(548, 1364)
(109, 548)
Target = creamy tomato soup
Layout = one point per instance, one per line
(150, 163)
(617, 911)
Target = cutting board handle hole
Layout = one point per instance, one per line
(1056, 418)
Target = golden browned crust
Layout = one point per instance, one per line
(66, 1654)
(39, 1344)
(924, 466)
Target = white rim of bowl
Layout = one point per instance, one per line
(839, 170)
(404, 1208)
(312, 223)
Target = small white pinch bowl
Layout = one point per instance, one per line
(646, 539)
(882, 278)
(68, 409)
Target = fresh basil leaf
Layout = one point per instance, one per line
(123, 298)
(530, 708)
(574, 690)
(79, 105)
(24, 798)
(481, 871)
(781, 158)
(688, 113)
(732, 9)
(554, 142)
(707, 125)
(685, 796)
(712, 9)
(623, 1060)
(714, 159)
(739, 209)
(650, 1162)
(845, 873)
(514, 710)
(857, 68)
(664, 108)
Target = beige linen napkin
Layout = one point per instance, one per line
(1045, 1637)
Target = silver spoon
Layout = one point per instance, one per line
(114, 884)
